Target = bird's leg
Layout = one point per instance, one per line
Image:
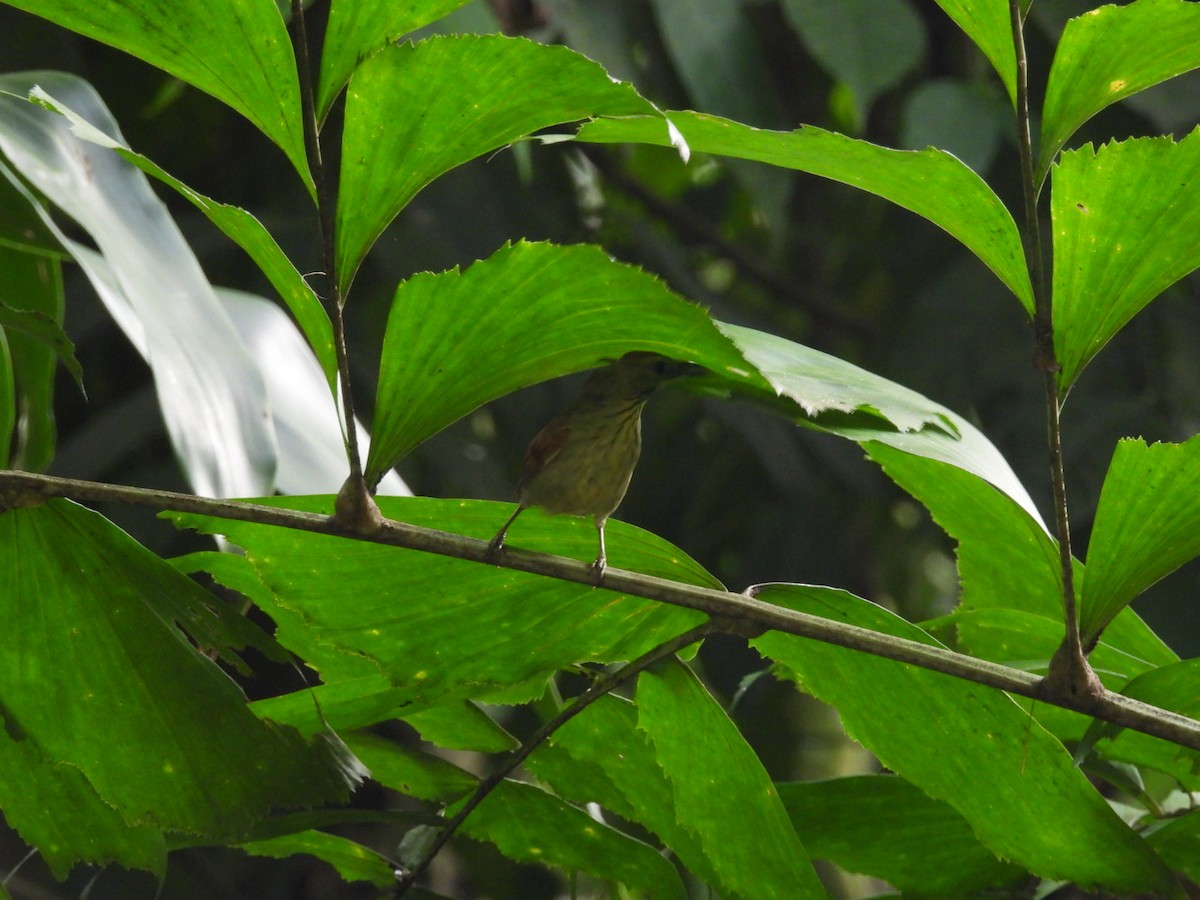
(497, 543)
(601, 562)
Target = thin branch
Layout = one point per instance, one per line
(326, 206)
(602, 686)
(25, 489)
(1069, 669)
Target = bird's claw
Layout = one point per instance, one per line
(495, 548)
(598, 568)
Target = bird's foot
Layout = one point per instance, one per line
(598, 568)
(495, 548)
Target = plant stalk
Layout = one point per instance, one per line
(1069, 667)
(326, 206)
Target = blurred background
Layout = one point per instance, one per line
(751, 497)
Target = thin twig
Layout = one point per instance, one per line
(602, 686)
(1069, 667)
(25, 489)
(326, 207)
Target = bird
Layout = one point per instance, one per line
(581, 462)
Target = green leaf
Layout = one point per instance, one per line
(527, 313)
(1006, 559)
(719, 786)
(868, 45)
(1178, 842)
(602, 757)
(931, 183)
(987, 23)
(33, 284)
(352, 860)
(461, 726)
(1110, 53)
(92, 651)
(439, 628)
(237, 51)
(237, 224)
(1126, 221)
(1147, 525)
(45, 330)
(414, 112)
(36, 788)
(8, 401)
(1033, 807)
(357, 28)
(532, 826)
(884, 826)
(409, 771)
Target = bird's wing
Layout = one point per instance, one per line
(545, 446)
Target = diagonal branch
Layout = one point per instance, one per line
(27, 489)
(602, 686)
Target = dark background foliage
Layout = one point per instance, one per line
(752, 498)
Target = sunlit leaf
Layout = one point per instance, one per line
(1110, 53)
(987, 23)
(931, 183)
(237, 51)
(1126, 223)
(413, 112)
(719, 784)
(1147, 525)
(1033, 808)
(357, 28)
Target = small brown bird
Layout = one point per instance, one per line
(580, 463)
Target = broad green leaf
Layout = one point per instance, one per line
(1006, 559)
(33, 284)
(868, 45)
(536, 311)
(409, 771)
(36, 788)
(1147, 525)
(21, 225)
(92, 650)
(352, 860)
(438, 628)
(532, 826)
(601, 757)
(1126, 221)
(237, 51)
(529, 312)
(931, 183)
(1033, 807)
(1109, 53)
(987, 23)
(719, 785)
(357, 28)
(237, 224)
(210, 389)
(884, 826)
(413, 112)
